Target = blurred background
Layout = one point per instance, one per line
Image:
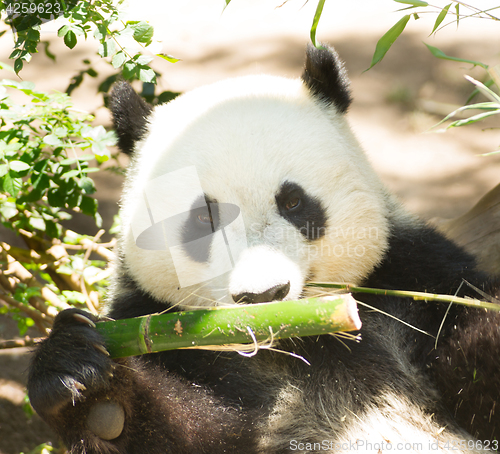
(395, 104)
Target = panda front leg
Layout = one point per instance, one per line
(100, 406)
(466, 368)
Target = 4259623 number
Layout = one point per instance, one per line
(24, 7)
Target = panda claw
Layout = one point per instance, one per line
(79, 386)
(82, 319)
(101, 348)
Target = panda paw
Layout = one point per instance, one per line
(70, 364)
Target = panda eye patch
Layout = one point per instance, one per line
(196, 232)
(305, 212)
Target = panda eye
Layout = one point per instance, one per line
(293, 203)
(204, 219)
(301, 210)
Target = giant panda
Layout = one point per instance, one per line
(270, 168)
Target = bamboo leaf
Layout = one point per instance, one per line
(413, 2)
(385, 43)
(167, 57)
(440, 18)
(317, 16)
(475, 92)
(490, 94)
(473, 119)
(479, 106)
(440, 54)
(239, 324)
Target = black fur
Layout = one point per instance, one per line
(130, 113)
(466, 365)
(308, 215)
(325, 76)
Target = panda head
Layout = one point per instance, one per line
(244, 190)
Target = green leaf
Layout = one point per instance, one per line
(23, 324)
(56, 198)
(70, 174)
(143, 32)
(9, 184)
(8, 210)
(129, 69)
(385, 43)
(146, 74)
(143, 59)
(317, 16)
(100, 32)
(52, 140)
(169, 58)
(440, 54)
(70, 39)
(18, 166)
(87, 185)
(412, 2)
(440, 18)
(107, 49)
(490, 94)
(118, 59)
(4, 168)
(16, 53)
(88, 205)
(41, 182)
(33, 35)
(5, 66)
(18, 65)
(37, 223)
(473, 119)
(479, 106)
(63, 30)
(74, 297)
(52, 229)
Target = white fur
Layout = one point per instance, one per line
(245, 137)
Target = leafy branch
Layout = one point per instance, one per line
(124, 43)
(46, 150)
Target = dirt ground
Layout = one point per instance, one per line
(395, 104)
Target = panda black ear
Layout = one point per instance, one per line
(130, 116)
(326, 78)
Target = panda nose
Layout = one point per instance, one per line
(276, 293)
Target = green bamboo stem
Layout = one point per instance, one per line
(240, 324)
(408, 294)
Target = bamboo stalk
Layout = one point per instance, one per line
(240, 324)
(408, 294)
